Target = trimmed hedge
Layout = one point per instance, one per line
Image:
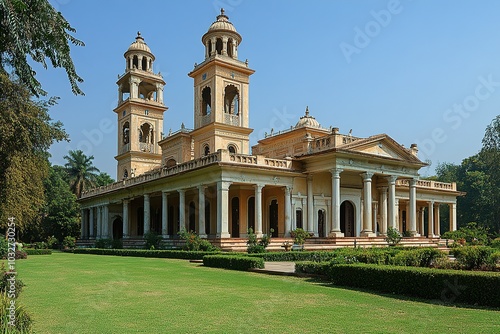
(170, 254)
(450, 286)
(38, 251)
(296, 256)
(310, 267)
(233, 262)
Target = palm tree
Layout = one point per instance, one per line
(81, 173)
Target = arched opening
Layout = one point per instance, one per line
(235, 217)
(144, 65)
(140, 221)
(117, 228)
(171, 163)
(273, 217)
(125, 173)
(146, 137)
(192, 217)
(231, 100)
(135, 62)
(206, 106)
(206, 150)
(251, 213)
(218, 46)
(230, 44)
(209, 43)
(298, 219)
(231, 149)
(126, 133)
(347, 219)
(321, 223)
(207, 217)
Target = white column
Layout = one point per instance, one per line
(453, 216)
(413, 208)
(437, 220)
(367, 205)
(99, 222)
(105, 221)
(224, 46)
(335, 231)
(398, 216)
(222, 209)
(125, 219)
(430, 222)
(147, 213)
(374, 218)
(383, 210)
(201, 212)
(82, 223)
(258, 210)
(288, 212)
(391, 180)
(422, 222)
(182, 210)
(91, 222)
(310, 205)
(164, 214)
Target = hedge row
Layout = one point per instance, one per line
(233, 262)
(310, 267)
(296, 256)
(38, 251)
(170, 254)
(451, 286)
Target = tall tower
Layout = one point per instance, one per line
(221, 108)
(140, 112)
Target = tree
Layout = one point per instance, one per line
(103, 179)
(81, 172)
(34, 28)
(61, 212)
(26, 133)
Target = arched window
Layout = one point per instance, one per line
(206, 104)
(171, 163)
(209, 48)
(298, 218)
(206, 150)
(135, 62)
(146, 134)
(230, 47)
(125, 174)
(144, 64)
(218, 46)
(232, 149)
(231, 100)
(126, 133)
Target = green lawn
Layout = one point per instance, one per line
(71, 293)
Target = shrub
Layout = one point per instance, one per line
(419, 257)
(310, 267)
(69, 242)
(299, 236)
(52, 242)
(117, 243)
(38, 251)
(234, 262)
(393, 236)
(195, 243)
(103, 243)
(23, 322)
(255, 249)
(472, 257)
(266, 239)
(41, 245)
(3, 247)
(5, 282)
(153, 240)
(495, 243)
(494, 261)
(481, 288)
(21, 254)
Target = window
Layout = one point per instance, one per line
(125, 174)
(126, 133)
(146, 134)
(171, 163)
(230, 44)
(206, 150)
(218, 46)
(298, 218)
(231, 149)
(231, 100)
(206, 104)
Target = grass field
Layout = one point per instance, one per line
(70, 293)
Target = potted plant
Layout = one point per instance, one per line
(299, 237)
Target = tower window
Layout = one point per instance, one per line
(230, 45)
(171, 163)
(126, 133)
(135, 62)
(146, 134)
(231, 149)
(144, 65)
(206, 106)
(231, 100)
(206, 150)
(125, 174)
(218, 46)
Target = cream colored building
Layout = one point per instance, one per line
(209, 180)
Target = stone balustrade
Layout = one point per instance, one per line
(219, 156)
(429, 184)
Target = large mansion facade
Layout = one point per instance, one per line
(211, 181)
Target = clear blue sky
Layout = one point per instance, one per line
(422, 71)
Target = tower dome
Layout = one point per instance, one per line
(307, 121)
(139, 55)
(221, 38)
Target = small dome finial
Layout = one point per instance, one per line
(222, 11)
(307, 110)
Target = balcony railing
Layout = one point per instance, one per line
(232, 119)
(428, 184)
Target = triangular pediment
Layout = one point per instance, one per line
(381, 146)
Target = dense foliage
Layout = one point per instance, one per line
(170, 254)
(234, 262)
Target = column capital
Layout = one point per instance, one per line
(258, 186)
(367, 176)
(181, 191)
(383, 189)
(309, 177)
(201, 187)
(412, 182)
(125, 201)
(336, 172)
(224, 185)
(287, 190)
(391, 178)
(146, 196)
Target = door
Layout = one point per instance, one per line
(321, 224)
(273, 217)
(235, 217)
(347, 219)
(117, 228)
